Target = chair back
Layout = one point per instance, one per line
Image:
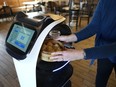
(7, 11)
(87, 8)
(1, 13)
(51, 5)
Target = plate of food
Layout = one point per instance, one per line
(49, 46)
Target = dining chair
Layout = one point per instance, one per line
(38, 7)
(73, 13)
(51, 5)
(6, 12)
(86, 11)
(1, 14)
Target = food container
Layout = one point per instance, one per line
(49, 46)
(45, 56)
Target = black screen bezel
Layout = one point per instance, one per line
(16, 50)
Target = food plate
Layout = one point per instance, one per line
(49, 46)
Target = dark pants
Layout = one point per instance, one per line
(104, 69)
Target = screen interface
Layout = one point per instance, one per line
(20, 37)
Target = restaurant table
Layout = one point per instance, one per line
(33, 3)
(33, 14)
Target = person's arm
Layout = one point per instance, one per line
(88, 31)
(101, 51)
(67, 38)
(89, 53)
(93, 27)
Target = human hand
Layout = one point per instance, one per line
(68, 38)
(68, 55)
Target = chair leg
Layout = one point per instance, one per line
(76, 23)
(80, 21)
(69, 19)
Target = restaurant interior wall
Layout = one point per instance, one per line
(14, 3)
(17, 3)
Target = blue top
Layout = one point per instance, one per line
(103, 25)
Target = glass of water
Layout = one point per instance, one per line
(54, 34)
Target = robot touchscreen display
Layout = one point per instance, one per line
(20, 37)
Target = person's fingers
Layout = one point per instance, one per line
(57, 53)
(58, 38)
(57, 58)
(61, 38)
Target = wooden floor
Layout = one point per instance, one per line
(83, 76)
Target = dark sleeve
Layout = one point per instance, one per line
(93, 27)
(101, 51)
